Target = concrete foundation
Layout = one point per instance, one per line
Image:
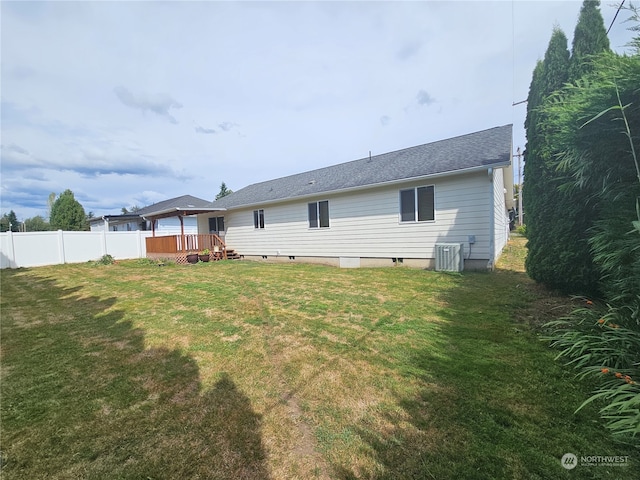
(363, 262)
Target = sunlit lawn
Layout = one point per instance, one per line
(247, 370)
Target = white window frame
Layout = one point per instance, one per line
(416, 212)
(318, 225)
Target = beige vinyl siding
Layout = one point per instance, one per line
(367, 223)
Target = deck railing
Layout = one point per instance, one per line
(191, 243)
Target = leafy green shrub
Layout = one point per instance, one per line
(621, 394)
(521, 230)
(105, 260)
(595, 341)
(159, 262)
(592, 176)
(616, 250)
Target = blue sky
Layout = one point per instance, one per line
(130, 103)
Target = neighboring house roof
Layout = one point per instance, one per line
(480, 150)
(183, 202)
(184, 205)
(128, 217)
(179, 206)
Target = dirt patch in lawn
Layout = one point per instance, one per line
(546, 306)
(540, 305)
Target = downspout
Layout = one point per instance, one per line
(492, 223)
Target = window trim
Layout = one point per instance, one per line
(318, 218)
(416, 209)
(258, 219)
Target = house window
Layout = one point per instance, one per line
(258, 218)
(216, 224)
(417, 204)
(319, 214)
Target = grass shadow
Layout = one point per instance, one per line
(495, 404)
(82, 397)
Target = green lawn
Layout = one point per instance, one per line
(247, 370)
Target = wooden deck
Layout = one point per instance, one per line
(177, 247)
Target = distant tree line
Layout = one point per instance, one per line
(65, 213)
(9, 221)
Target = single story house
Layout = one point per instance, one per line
(128, 222)
(404, 207)
(142, 220)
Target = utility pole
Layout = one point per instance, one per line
(520, 189)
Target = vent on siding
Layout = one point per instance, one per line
(449, 257)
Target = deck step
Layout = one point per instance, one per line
(232, 254)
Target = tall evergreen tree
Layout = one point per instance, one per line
(9, 222)
(532, 184)
(67, 213)
(224, 191)
(50, 201)
(534, 101)
(597, 122)
(542, 200)
(568, 243)
(589, 39)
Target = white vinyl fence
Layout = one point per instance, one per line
(34, 249)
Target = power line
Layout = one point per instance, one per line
(615, 16)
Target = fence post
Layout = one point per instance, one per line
(139, 238)
(104, 242)
(61, 246)
(11, 253)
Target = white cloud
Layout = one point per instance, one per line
(205, 131)
(226, 126)
(423, 98)
(159, 103)
(285, 86)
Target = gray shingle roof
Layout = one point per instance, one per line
(178, 202)
(487, 148)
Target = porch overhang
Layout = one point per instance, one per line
(180, 212)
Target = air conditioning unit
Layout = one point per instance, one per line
(449, 257)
